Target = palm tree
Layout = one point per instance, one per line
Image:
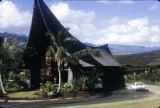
(58, 52)
(61, 56)
(6, 49)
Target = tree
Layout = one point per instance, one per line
(61, 55)
(6, 55)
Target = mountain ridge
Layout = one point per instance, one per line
(19, 37)
(115, 49)
(118, 49)
(146, 58)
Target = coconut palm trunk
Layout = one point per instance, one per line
(1, 82)
(59, 74)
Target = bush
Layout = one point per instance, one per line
(13, 86)
(18, 79)
(80, 84)
(150, 76)
(68, 88)
(93, 79)
(48, 88)
(76, 86)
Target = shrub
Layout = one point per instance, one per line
(150, 76)
(80, 84)
(48, 88)
(13, 86)
(18, 79)
(68, 88)
(77, 85)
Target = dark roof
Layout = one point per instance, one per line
(44, 20)
(106, 59)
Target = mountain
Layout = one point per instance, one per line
(117, 49)
(127, 49)
(133, 55)
(124, 54)
(146, 58)
(21, 38)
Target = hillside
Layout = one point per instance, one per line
(117, 49)
(21, 38)
(152, 57)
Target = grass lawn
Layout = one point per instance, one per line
(23, 95)
(150, 102)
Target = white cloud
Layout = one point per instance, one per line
(155, 29)
(137, 31)
(129, 2)
(139, 22)
(61, 10)
(152, 8)
(79, 21)
(103, 1)
(11, 17)
(65, 14)
(155, 39)
(114, 20)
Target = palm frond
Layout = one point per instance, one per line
(50, 38)
(60, 54)
(70, 60)
(51, 50)
(74, 58)
(88, 51)
(8, 52)
(69, 39)
(61, 37)
(13, 42)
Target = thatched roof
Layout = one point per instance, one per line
(44, 20)
(106, 59)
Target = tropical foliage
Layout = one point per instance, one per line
(61, 55)
(150, 76)
(10, 56)
(48, 88)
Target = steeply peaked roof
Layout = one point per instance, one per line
(44, 20)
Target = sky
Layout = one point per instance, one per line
(127, 22)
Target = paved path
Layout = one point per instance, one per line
(119, 95)
(151, 88)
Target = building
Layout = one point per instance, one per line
(44, 20)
